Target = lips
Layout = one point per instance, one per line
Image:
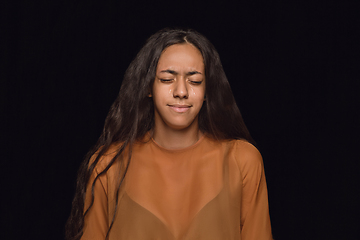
(180, 108)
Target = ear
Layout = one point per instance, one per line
(149, 95)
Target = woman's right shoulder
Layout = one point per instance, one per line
(106, 157)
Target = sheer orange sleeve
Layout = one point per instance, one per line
(255, 219)
(96, 220)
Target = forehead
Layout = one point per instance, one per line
(181, 56)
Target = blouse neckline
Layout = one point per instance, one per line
(180, 149)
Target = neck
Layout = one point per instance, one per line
(176, 139)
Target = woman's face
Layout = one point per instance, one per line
(179, 87)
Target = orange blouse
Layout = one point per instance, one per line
(210, 190)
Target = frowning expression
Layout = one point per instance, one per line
(179, 87)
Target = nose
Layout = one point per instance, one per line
(180, 89)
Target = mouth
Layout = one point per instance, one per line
(179, 108)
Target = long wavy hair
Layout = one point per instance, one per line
(131, 116)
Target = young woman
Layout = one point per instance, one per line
(175, 159)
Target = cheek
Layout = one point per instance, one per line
(197, 93)
(161, 93)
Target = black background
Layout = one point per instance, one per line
(293, 67)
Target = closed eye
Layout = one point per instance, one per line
(165, 80)
(196, 82)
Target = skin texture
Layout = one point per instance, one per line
(178, 94)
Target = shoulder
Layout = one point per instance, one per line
(247, 156)
(106, 157)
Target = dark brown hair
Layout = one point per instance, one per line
(132, 114)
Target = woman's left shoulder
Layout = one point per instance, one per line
(245, 153)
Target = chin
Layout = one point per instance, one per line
(180, 125)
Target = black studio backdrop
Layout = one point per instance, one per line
(294, 71)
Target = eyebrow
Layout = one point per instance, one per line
(176, 73)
